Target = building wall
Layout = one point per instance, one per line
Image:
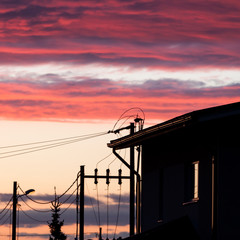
(163, 175)
(228, 160)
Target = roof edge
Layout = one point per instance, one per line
(197, 116)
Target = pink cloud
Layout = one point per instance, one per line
(138, 34)
(104, 99)
(134, 33)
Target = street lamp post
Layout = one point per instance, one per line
(15, 200)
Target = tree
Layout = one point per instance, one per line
(56, 225)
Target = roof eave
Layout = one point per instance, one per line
(141, 136)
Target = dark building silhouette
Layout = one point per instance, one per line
(191, 168)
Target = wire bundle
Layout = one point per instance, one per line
(43, 145)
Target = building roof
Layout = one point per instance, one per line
(180, 122)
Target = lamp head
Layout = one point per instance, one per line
(29, 191)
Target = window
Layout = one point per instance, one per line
(191, 188)
(196, 176)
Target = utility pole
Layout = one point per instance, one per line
(132, 215)
(81, 227)
(14, 216)
(131, 167)
(95, 177)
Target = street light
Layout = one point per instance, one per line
(27, 192)
(15, 200)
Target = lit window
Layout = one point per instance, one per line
(191, 182)
(196, 176)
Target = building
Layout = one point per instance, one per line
(190, 167)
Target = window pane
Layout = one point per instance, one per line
(196, 175)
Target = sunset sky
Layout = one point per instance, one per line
(69, 68)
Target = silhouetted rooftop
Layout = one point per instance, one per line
(189, 119)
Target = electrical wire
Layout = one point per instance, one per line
(125, 153)
(70, 186)
(103, 159)
(41, 221)
(68, 206)
(112, 161)
(34, 209)
(68, 197)
(118, 211)
(122, 115)
(39, 147)
(53, 140)
(127, 118)
(98, 207)
(49, 202)
(44, 147)
(95, 215)
(6, 205)
(9, 217)
(5, 214)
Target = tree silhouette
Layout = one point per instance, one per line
(56, 225)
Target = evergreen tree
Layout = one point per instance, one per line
(56, 225)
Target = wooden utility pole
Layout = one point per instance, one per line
(14, 214)
(132, 185)
(81, 218)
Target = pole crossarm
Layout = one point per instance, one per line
(102, 176)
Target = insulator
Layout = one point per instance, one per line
(95, 178)
(107, 176)
(120, 176)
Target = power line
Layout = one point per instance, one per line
(49, 202)
(68, 197)
(5, 214)
(44, 147)
(118, 211)
(68, 206)
(8, 218)
(127, 118)
(6, 205)
(34, 209)
(53, 140)
(38, 147)
(123, 115)
(98, 207)
(92, 206)
(103, 159)
(113, 159)
(37, 220)
(32, 199)
(70, 186)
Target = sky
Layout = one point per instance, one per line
(69, 68)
